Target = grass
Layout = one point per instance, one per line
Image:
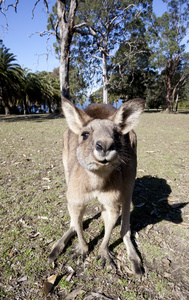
(33, 214)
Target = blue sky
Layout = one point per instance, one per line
(23, 40)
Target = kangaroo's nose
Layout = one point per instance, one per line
(105, 146)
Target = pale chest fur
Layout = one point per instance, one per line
(85, 187)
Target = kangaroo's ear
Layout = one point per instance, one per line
(127, 116)
(75, 117)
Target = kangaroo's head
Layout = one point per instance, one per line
(101, 141)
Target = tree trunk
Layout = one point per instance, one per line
(7, 110)
(105, 79)
(170, 70)
(176, 103)
(168, 94)
(64, 64)
(25, 105)
(66, 34)
(176, 90)
(5, 103)
(49, 106)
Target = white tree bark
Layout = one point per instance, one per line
(105, 79)
(66, 29)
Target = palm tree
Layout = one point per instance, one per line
(31, 90)
(50, 90)
(10, 77)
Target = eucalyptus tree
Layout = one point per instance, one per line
(131, 73)
(109, 23)
(169, 32)
(94, 29)
(10, 77)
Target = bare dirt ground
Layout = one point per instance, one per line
(33, 214)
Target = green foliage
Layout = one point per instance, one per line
(99, 28)
(97, 96)
(171, 28)
(131, 74)
(109, 23)
(20, 87)
(152, 63)
(10, 76)
(167, 35)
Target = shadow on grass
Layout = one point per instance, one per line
(184, 112)
(152, 111)
(31, 117)
(150, 202)
(150, 206)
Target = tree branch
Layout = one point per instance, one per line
(10, 5)
(46, 4)
(179, 83)
(42, 33)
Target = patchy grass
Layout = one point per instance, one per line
(33, 215)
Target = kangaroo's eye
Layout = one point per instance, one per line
(85, 135)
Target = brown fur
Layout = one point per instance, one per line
(99, 157)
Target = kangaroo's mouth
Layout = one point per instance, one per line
(104, 162)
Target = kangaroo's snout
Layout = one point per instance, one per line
(104, 147)
(105, 150)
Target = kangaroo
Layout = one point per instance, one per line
(99, 158)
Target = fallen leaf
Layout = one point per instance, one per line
(140, 204)
(49, 283)
(34, 234)
(24, 223)
(46, 179)
(24, 278)
(71, 270)
(74, 293)
(43, 218)
(148, 228)
(46, 187)
(166, 275)
(136, 235)
(49, 242)
(171, 199)
(166, 262)
(182, 224)
(11, 254)
(162, 199)
(52, 278)
(128, 270)
(100, 296)
(69, 277)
